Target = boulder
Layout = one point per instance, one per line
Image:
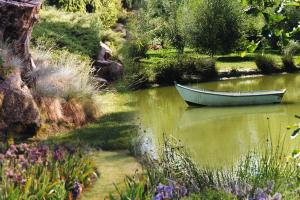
(19, 111)
(105, 52)
(101, 83)
(120, 28)
(109, 70)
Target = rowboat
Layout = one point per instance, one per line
(201, 97)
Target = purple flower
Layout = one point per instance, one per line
(23, 181)
(17, 178)
(13, 148)
(33, 155)
(58, 155)
(9, 173)
(183, 191)
(77, 189)
(260, 195)
(44, 150)
(277, 196)
(10, 154)
(22, 158)
(159, 196)
(24, 147)
(160, 188)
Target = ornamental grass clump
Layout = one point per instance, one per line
(289, 64)
(266, 64)
(39, 172)
(63, 75)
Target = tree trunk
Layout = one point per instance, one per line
(17, 18)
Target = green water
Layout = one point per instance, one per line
(220, 136)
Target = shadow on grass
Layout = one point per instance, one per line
(111, 132)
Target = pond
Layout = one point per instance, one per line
(219, 136)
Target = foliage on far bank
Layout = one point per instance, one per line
(168, 71)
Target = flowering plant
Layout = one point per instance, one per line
(37, 172)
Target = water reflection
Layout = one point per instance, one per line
(218, 136)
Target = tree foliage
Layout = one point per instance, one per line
(217, 26)
(162, 18)
(281, 19)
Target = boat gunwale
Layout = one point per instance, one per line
(236, 94)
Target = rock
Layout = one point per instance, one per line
(109, 70)
(155, 47)
(18, 108)
(119, 28)
(105, 52)
(101, 83)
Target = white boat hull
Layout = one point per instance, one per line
(210, 98)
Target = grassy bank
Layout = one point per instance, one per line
(269, 175)
(110, 140)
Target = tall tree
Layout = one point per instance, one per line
(217, 26)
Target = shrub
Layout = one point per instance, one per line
(136, 77)
(206, 67)
(289, 51)
(134, 49)
(289, 64)
(266, 64)
(168, 71)
(40, 172)
(91, 6)
(217, 26)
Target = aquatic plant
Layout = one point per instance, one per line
(40, 172)
(258, 176)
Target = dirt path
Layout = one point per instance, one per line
(113, 166)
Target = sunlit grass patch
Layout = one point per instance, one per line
(79, 33)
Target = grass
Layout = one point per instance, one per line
(66, 76)
(78, 33)
(114, 167)
(111, 132)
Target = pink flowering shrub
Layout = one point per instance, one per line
(38, 172)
